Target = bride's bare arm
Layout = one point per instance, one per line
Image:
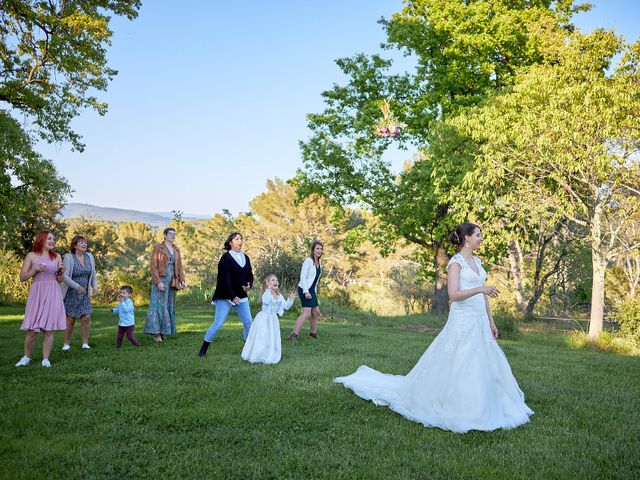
(453, 286)
(492, 324)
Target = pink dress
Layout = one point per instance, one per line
(45, 310)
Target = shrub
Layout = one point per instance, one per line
(12, 290)
(628, 317)
(506, 324)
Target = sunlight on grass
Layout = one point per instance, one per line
(163, 401)
(608, 342)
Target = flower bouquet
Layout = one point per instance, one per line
(388, 125)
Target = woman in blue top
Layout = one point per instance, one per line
(308, 291)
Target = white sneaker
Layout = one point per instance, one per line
(85, 345)
(46, 363)
(66, 347)
(24, 361)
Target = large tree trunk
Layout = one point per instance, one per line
(599, 264)
(531, 305)
(440, 295)
(597, 297)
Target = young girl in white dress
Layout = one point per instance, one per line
(263, 343)
(463, 381)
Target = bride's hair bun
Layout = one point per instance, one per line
(463, 230)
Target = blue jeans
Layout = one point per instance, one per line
(222, 311)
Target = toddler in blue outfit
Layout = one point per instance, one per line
(127, 321)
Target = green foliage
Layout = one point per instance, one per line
(201, 245)
(464, 51)
(12, 290)
(54, 59)
(628, 317)
(287, 268)
(31, 192)
(566, 137)
(506, 324)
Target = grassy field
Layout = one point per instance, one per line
(162, 412)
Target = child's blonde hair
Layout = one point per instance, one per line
(265, 287)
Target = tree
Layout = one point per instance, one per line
(464, 51)
(54, 57)
(567, 136)
(279, 232)
(31, 192)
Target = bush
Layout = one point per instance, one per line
(12, 290)
(284, 266)
(506, 324)
(628, 317)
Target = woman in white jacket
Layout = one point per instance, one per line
(308, 291)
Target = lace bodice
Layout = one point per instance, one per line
(469, 279)
(272, 306)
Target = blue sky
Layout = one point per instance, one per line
(211, 97)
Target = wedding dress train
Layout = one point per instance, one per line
(462, 382)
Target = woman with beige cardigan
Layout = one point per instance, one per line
(79, 278)
(167, 277)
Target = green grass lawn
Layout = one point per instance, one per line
(162, 412)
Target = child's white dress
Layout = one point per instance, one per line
(263, 343)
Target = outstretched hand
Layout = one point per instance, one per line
(490, 291)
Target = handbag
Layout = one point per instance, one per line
(175, 284)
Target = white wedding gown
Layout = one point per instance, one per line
(462, 382)
(263, 342)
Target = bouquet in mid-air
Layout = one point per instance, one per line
(388, 125)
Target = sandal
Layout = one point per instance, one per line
(314, 336)
(293, 337)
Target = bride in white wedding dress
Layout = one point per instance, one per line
(463, 381)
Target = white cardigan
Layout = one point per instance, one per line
(68, 272)
(307, 275)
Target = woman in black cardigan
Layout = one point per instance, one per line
(235, 278)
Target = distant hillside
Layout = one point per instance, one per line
(92, 212)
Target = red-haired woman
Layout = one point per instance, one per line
(44, 311)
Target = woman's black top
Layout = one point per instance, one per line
(231, 278)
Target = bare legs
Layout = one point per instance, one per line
(307, 312)
(47, 343)
(68, 332)
(85, 323)
(315, 315)
(30, 340)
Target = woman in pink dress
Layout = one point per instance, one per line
(45, 310)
